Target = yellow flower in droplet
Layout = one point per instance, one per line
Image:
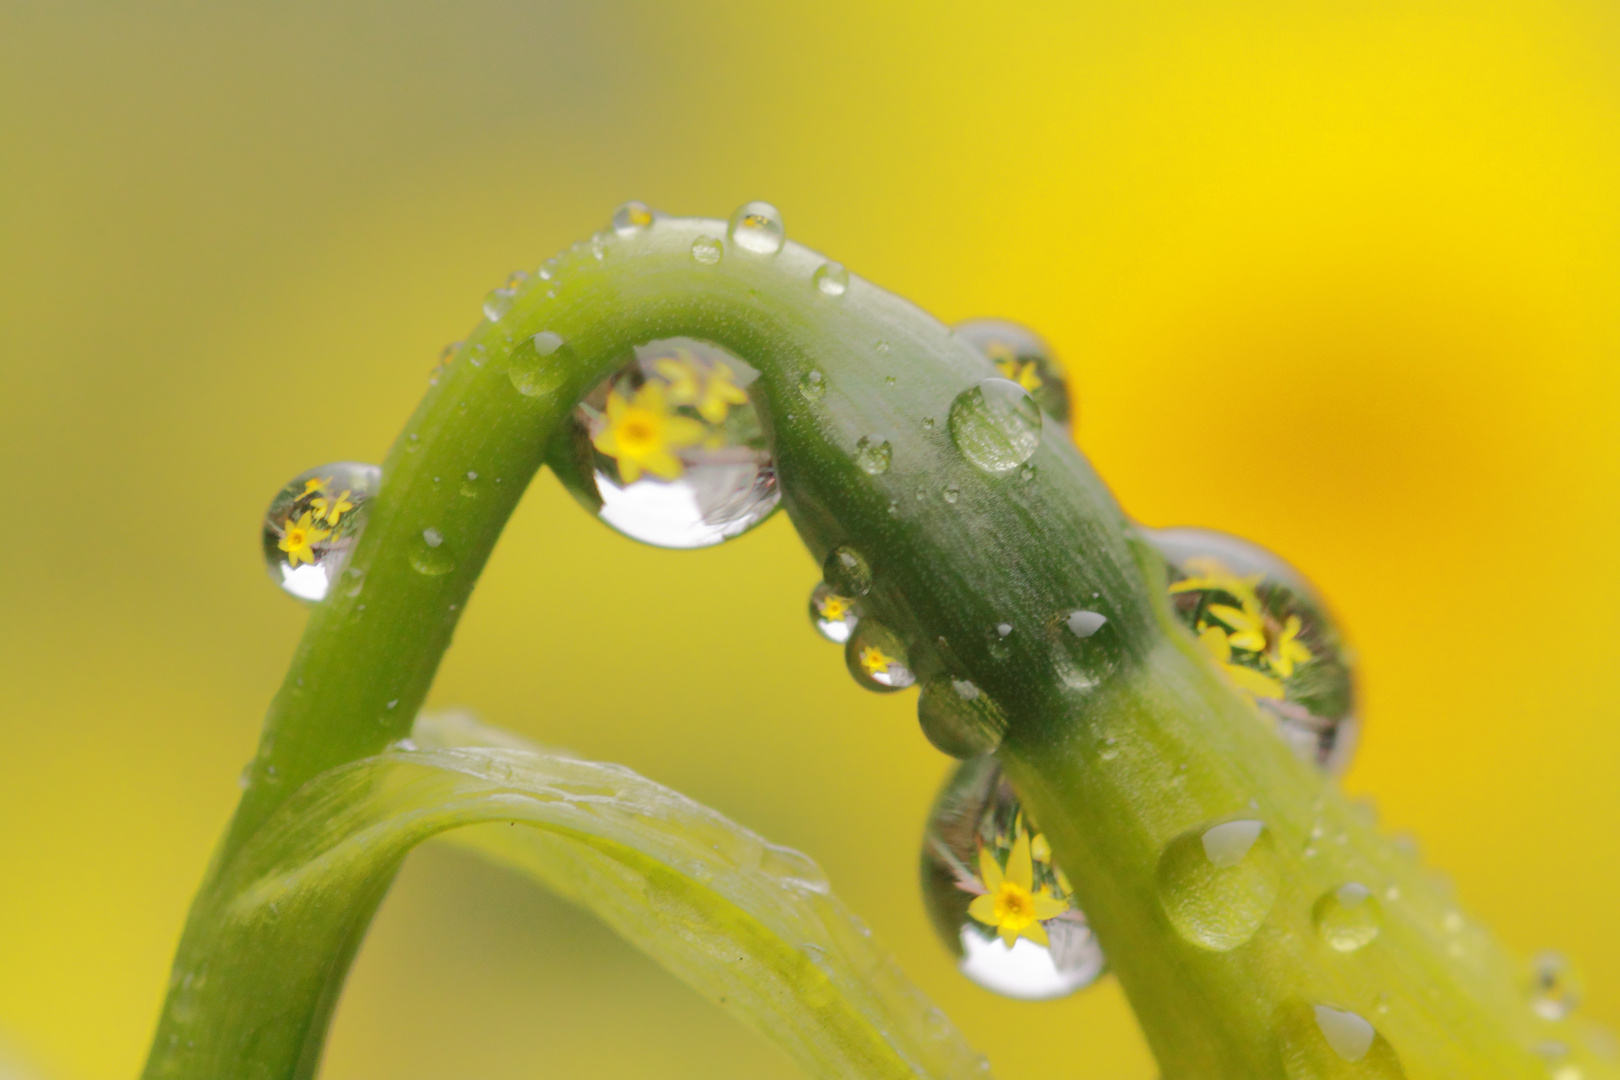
(1246, 623)
(682, 373)
(1210, 574)
(835, 608)
(1040, 849)
(641, 433)
(298, 538)
(720, 393)
(874, 660)
(313, 485)
(1010, 905)
(1023, 372)
(1288, 650)
(332, 507)
(1214, 640)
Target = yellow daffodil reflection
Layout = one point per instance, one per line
(712, 393)
(1288, 650)
(298, 539)
(834, 609)
(332, 507)
(1258, 683)
(1022, 372)
(1010, 905)
(313, 485)
(641, 434)
(874, 660)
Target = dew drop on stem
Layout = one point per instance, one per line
(313, 524)
(757, 227)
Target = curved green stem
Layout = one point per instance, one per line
(1185, 751)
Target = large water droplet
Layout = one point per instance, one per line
(873, 454)
(877, 658)
(631, 218)
(313, 524)
(996, 425)
(757, 227)
(1347, 918)
(1217, 883)
(1555, 986)
(831, 279)
(670, 450)
(999, 903)
(1322, 1042)
(847, 571)
(834, 617)
(1270, 633)
(959, 718)
(1022, 357)
(539, 365)
(706, 250)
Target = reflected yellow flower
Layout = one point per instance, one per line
(332, 507)
(1210, 574)
(1022, 372)
(311, 486)
(641, 434)
(1010, 904)
(1215, 642)
(712, 392)
(875, 661)
(298, 539)
(834, 608)
(1248, 626)
(1288, 649)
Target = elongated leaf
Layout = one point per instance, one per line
(748, 923)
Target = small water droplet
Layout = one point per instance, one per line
(928, 423)
(1321, 1042)
(1082, 624)
(951, 494)
(996, 425)
(813, 385)
(834, 617)
(1000, 646)
(757, 227)
(873, 454)
(847, 571)
(430, 555)
(1021, 356)
(877, 658)
(1347, 918)
(890, 380)
(706, 250)
(1027, 473)
(476, 355)
(498, 303)
(631, 218)
(959, 718)
(548, 270)
(1555, 986)
(1217, 883)
(670, 449)
(447, 355)
(986, 865)
(313, 524)
(831, 278)
(539, 365)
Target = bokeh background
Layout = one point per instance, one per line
(1340, 277)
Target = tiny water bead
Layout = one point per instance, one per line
(1217, 883)
(499, 301)
(996, 425)
(1266, 628)
(831, 279)
(429, 555)
(847, 571)
(1322, 1042)
(873, 454)
(813, 385)
(958, 718)
(539, 365)
(834, 617)
(631, 218)
(999, 903)
(670, 449)
(706, 250)
(877, 658)
(1021, 356)
(313, 524)
(1347, 918)
(1555, 985)
(757, 227)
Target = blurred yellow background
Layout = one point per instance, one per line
(1340, 277)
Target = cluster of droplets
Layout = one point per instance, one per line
(313, 524)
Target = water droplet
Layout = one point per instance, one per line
(670, 449)
(1000, 647)
(1082, 624)
(989, 879)
(447, 354)
(1347, 918)
(1027, 473)
(813, 385)
(847, 571)
(1021, 356)
(757, 227)
(539, 365)
(548, 270)
(1555, 986)
(632, 217)
(928, 423)
(1217, 883)
(1270, 633)
(877, 658)
(1322, 1042)
(951, 494)
(834, 617)
(959, 718)
(706, 250)
(996, 425)
(313, 524)
(831, 278)
(498, 303)
(476, 355)
(430, 555)
(873, 454)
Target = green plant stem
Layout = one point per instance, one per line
(1188, 750)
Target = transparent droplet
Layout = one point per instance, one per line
(996, 425)
(757, 227)
(1217, 883)
(959, 718)
(1555, 985)
(1270, 633)
(430, 555)
(1000, 646)
(1323, 1042)
(548, 270)
(951, 494)
(985, 865)
(1021, 356)
(313, 524)
(670, 449)
(873, 454)
(877, 658)
(632, 217)
(833, 616)
(539, 365)
(1347, 918)
(847, 571)
(831, 278)
(498, 303)
(706, 250)
(813, 385)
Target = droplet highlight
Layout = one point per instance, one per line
(1556, 987)
(1023, 357)
(430, 555)
(1323, 1042)
(877, 658)
(996, 425)
(1347, 918)
(757, 227)
(539, 365)
(831, 279)
(813, 385)
(847, 572)
(873, 454)
(313, 524)
(1217, 883)
(834, 617)
(958, 718)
